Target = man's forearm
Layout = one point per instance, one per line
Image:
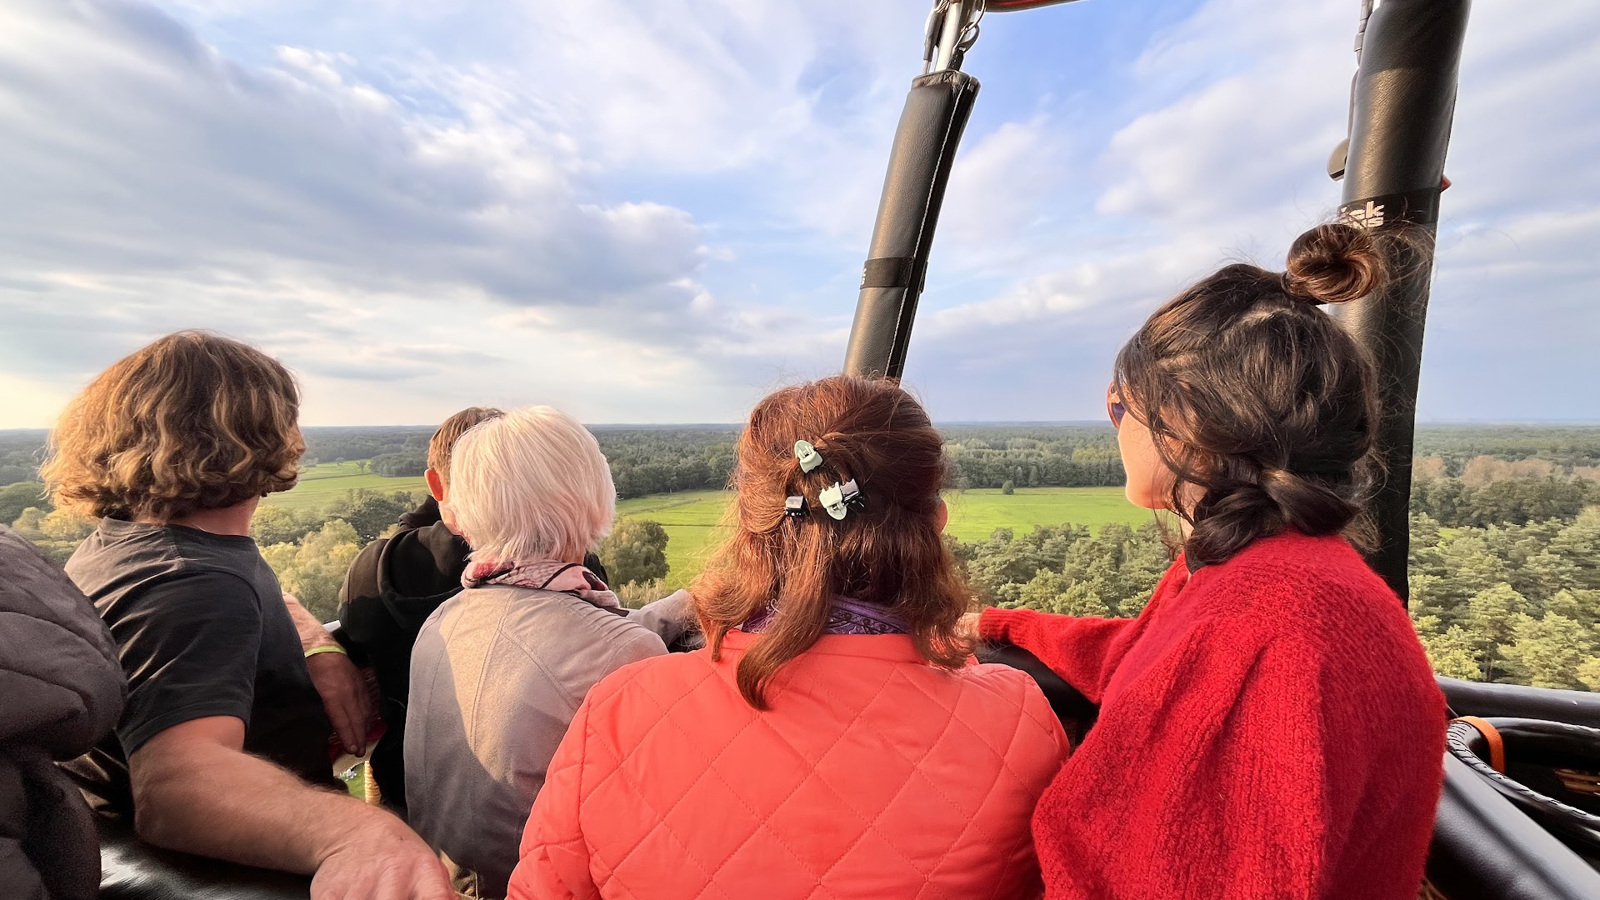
(312, 632)
(229, 805)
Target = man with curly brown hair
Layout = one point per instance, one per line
(222, 749)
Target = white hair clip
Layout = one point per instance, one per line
(841, 498)
(808, 456)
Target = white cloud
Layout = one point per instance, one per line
(318, 199)
(1234, 111)
(657, 210)
(999, 195)
(153, 184)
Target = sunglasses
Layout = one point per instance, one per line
(1114, 408)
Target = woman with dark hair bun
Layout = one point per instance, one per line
(1269, 725)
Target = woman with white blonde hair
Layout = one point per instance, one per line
(499, 669)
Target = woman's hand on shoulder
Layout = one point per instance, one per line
(967, 628)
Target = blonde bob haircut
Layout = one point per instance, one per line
(193, 421)
(531, 486)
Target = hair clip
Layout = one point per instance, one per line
(808, 456)
(795, 507)
(841, 498)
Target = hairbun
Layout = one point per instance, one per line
(1333, 264)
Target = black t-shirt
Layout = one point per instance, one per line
(201, 630)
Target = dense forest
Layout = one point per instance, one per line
(1505, 576)
(1511, 603)
(643, 461)
(21, 452)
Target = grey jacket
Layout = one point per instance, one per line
(61, 691)
(496, 676)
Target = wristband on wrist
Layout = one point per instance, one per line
(326, 648)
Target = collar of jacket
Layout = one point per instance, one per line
(893, 647)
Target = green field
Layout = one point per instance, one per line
(320, 484)
(691, 518)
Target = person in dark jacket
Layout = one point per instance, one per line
(61, 691)
(395, 584)
(392, 587)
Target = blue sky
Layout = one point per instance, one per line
(656, 210)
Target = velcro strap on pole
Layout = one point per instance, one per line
(889, 272)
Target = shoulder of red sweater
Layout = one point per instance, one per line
(1300, 579)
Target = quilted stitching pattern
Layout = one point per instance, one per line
(873, 775)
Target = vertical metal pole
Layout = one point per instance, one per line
(1403, 105)
(954, 21)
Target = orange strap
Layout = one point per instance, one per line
(1497, 744)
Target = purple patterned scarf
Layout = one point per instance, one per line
(848, 616)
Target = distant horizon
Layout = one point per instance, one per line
(1040, 423)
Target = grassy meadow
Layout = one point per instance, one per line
(321, 484)
(692, 518)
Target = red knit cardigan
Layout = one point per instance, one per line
(1269, 727)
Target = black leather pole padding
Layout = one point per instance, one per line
(1545, 744)
(1489, 701)
(1074, 710)
(901, 272)
(931, 124)
(133, 870)
(1404, 99)
(1484, 848)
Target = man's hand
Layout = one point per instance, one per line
(346, 696)
(386, 862)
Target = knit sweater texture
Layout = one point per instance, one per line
(1269, 727)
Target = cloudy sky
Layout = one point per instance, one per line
(656, 210)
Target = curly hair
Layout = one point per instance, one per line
(193, 421)
(890, 553)
(1263, 407)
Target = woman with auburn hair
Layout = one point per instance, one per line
(1269, 725)
(222, 748)
(834, 739)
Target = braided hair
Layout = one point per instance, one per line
(1263, 407)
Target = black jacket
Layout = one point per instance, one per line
(61, 692)
(393, 586)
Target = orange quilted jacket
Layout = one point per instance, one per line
(873, 774)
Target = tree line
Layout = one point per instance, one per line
(1485, 490)
(1505, 567)
(646, 461)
